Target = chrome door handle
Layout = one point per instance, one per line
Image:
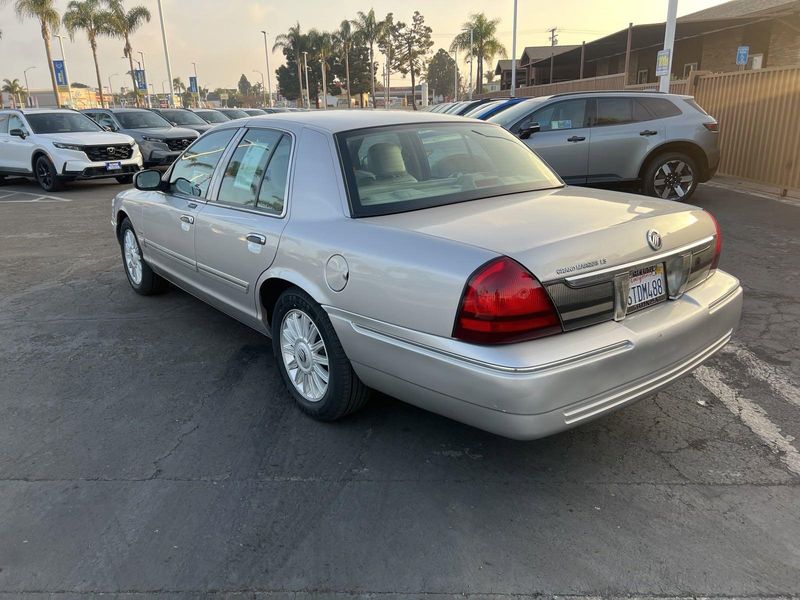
(648, 132)
(576, 138)
(187, 219)
(257, 238)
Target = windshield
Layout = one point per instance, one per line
(514, 112)
(66, 122)
(140, 119)
(182, 117)
(213, 116)
(234, 113)
(409, 167)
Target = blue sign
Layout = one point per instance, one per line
(193, 85)
(141, 81)
(742, 54)
(61, 73)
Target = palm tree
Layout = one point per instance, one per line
(343, 39)
(371, 30)
(89, 16)
(47, 15)
(15, 89)
(124, 25)
(485, 45)
(295, 42)
(321, 43)
(386, 43)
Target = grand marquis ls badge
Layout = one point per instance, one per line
(654, 239)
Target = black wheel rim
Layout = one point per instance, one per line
(673, 180)
(43, 174)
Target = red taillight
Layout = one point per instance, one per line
(713, 126)
(717, 242)
(503, 303)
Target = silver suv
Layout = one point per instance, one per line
(664, 141)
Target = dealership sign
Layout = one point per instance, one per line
(141, 81)
(662, 63)
(60, 72)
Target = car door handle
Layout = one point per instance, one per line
(648, 132)
(191, 205)
(576, 138)
(257, 238)
(187, 219)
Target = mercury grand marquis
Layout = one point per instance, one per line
(436, 259)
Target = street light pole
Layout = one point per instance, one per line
(66, 71)
(111, 87)
(513, 53)
(455, 76)
(269, 79)
(263, 88)
(27, 87)
(171, 100)
(669, 42)
(305, 67)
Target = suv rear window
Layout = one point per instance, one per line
(660, 108)
(409, 167)
(691, 102)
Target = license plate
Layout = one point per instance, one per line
(648, 286)
(113, 166)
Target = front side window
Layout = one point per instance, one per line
(192, 171)
(570, 114)
(62, 122)
(410, 167)
(246, 172)
(14, 122)
(141, 120)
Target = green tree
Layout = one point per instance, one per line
(15, 89)
(292, 43)
(370, 31)
(412, 43)
(49, 21)
(440, 75)
(343, 40)
(386, 43)
(89, 16)
(485, 45)
(124, 24)
(244, 85)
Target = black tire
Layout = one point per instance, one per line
(46, 175)
(672, 181)
(124, 179)
(149, 282)
(345, 392)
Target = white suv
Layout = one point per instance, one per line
(58, 145)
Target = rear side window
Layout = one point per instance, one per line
(193, 169)
(659, 108)
(272, 195)
(614, 111)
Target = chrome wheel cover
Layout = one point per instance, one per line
(673, 180)
(133, 258)
(304, 355)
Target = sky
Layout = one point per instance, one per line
(224, 36)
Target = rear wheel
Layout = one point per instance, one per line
(311, 359)
(46, 175)
(141, 277)
(672, 176)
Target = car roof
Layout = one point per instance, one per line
(38, 111)
(335, 121)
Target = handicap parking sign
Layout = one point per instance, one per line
(742, 53)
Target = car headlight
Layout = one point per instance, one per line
(69, 147)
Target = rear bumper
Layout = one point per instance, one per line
(533, 389)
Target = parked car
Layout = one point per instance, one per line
(183, 117)
(437, 108)
(436, 259)
(255, 112)
(159, 142)
(210, 115)
(665, 142)
(233, 113)
(55, 146)
(493, 108)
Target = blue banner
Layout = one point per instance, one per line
(193, 85)
(141, 81)
(742, 54)
(61, 73)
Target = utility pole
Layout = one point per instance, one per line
(27, 87)
(514, 53)
(111, 88)
(171, 101)
(455, 77)
(669, 42)
(553, 42)
(66, 71)
(471, 52)
(305, 68)
(269, 79)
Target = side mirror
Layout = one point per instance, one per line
(20, 133)
(528, 131)
(148, 180)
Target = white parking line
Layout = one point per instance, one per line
(752, 415)
(774, 377)
(27, 197)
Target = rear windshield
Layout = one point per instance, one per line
(66, 122)
(213, 116)
(140, 119)
(182, 117)
(400, 168)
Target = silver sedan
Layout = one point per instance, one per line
(436, 259)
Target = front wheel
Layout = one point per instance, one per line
(311, 359)
(46, 175)
(672, 176)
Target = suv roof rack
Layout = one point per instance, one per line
(607, 92)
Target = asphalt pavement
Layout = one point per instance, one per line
(149, 449)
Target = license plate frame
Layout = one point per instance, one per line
(114, 166)
(647, 287)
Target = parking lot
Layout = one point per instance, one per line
(148, 446)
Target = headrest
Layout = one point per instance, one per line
(386, 160)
